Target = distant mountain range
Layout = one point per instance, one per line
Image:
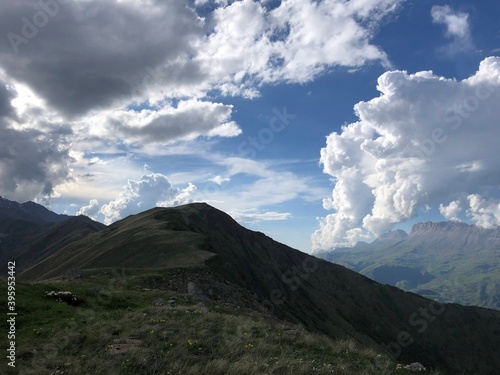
(29, 232)
(293, 286)
(446, 261)
(29, 211)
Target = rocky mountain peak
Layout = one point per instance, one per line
(393, 235)
(449, 226)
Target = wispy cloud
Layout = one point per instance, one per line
(457, 28)
(254, 216)
(219, 180)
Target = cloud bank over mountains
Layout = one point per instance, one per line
(426, 141)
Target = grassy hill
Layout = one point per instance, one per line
(117, 330)
(53, 238)
(321, 297)
(143, 241)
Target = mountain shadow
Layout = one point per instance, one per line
(29, 233)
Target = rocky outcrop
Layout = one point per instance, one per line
(195, 293)
(413, 367)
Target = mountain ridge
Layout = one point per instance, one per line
(452, 226)
(29, 211)
(30, 232)
(292, 285)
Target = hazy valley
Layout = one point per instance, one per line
(446, 261)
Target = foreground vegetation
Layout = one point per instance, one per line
(117, 330)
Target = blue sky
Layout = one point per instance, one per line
(318, 123)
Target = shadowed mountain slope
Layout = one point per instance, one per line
(321, 296)
(53, 238)
(29, 232)
(29, 211)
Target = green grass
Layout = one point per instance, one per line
(145, 242)
(117, 331)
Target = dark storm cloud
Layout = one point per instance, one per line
(188, 119)
(31, 161)
(5, 98)
(83, 55)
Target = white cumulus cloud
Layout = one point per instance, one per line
(91, 210)
(457, 23)
(451, 211)
(484, 212)
(424, 141)
(153, 190)
(292, 42)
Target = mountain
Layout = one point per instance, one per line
(447, 261)
(53, 238)
(318, 295)
(29, 232)
(390, 237)
(29, 211)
